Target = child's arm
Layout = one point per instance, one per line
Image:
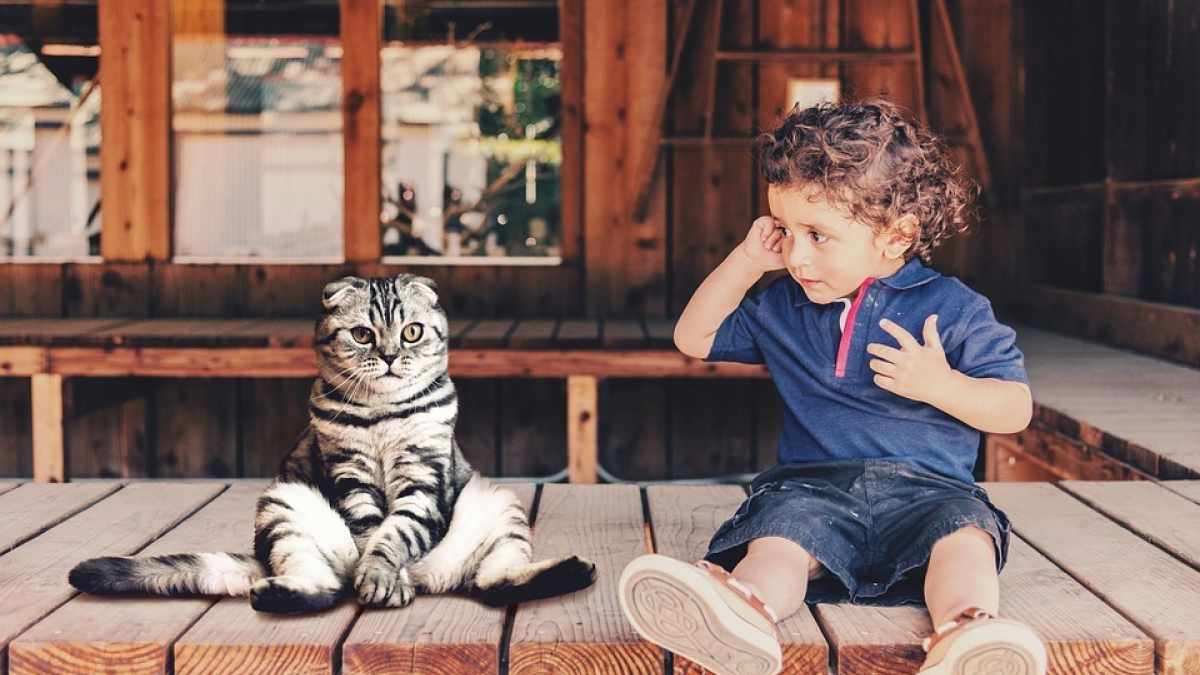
(725, 287)
(921, 373)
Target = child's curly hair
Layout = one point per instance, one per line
(875, 162)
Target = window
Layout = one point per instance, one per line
(472, 151)
(49, 133)
(258, 149)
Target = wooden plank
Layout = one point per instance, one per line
(178, 333)
(184, 362)
(436, 634)
(193, 428)
(633, 437)
(48, 331)
(46, 402)
(233, 638)
(1069, 459)
(583, 418)
(278, 409)
(33, 508)
(531, 417)
(661, 333)
(135, 171)
(361, 31)
(683, 519)
(136, 634)
(578, 334)
(1167, 331)
(106, 427)
(872, 640)
(1157, 514)
(1006, 462)
(1187, 488)
(456, 329)
(571, 77)
(17, 361)
(1100, 554)
(624, 334)
(33, 577)
(16, 438)
(533, 334)
(648, 364)
(585, 632)
(276, 332)
(486, 333)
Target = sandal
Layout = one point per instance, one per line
(702, 613)
(977, 643)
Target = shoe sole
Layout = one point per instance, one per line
(684, 614)
(1001, 647)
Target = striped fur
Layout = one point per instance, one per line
(375, 499)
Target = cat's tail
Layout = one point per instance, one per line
(534, 581)
(184, 574)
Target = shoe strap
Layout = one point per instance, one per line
(726, 579)
(968, 616)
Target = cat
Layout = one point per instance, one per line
(375, 499)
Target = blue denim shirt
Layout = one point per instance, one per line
(832, 407)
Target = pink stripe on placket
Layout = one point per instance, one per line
(848, 332)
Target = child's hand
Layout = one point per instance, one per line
(763, 245)
(912, 371)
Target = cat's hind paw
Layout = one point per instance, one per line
(291, 595)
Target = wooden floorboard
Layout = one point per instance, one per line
(137, 634)
(1151, 588)
(1187, 488)
(1167, 519)
(436, 634)
(33, 508)
(585, 632)
(33, 577)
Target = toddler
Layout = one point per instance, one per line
(888, 372)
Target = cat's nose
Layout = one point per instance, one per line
(388, 358)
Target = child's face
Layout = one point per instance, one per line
(827, 252)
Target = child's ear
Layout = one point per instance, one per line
(901, 236)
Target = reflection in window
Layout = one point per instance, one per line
(49, 147)
(258, 145)
(472, 150)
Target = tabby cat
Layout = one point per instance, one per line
(375, 499)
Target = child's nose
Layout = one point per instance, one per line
(799, 256)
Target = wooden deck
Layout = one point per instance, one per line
(1107, 573)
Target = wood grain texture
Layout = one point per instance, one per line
(32, 508)
(17, 361)
(585, 632)
(233, 638)
(135, 174)
(683, 519)
(361, 32)
(46, 403)
(1167, 519)
(583, 419)
(136, 633)
(875, 640)
(436, 635)
(1188, 488)
(1107, 559)
(33, 577)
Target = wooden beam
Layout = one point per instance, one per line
(942, 19)
(135, 161)
(1157, 329)
(583, 446)
(571, 72)
(362, 30)
(198, 17)
(49, 465)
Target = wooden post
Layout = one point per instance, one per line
(362, 30)
(49, 465)
(135, 162)
(583, 448)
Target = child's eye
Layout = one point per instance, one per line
(786, 233)
(818, 237)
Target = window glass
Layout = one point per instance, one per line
(257, 127)
(472, 152)
(49, 132)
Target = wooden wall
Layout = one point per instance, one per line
(1076, 202)
(1109, 175)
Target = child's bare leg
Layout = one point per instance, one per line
(961, 575)
(769, 569)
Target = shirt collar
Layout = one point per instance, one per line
(913, 274)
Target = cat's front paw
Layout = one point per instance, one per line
(379, 584)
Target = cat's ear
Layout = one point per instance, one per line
(423, 284)
(336, 291)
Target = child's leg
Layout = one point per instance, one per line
(770, 569)
(962, 574)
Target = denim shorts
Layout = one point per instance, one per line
(871, 523)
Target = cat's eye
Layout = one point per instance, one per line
(362, 335)
(413, 332)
